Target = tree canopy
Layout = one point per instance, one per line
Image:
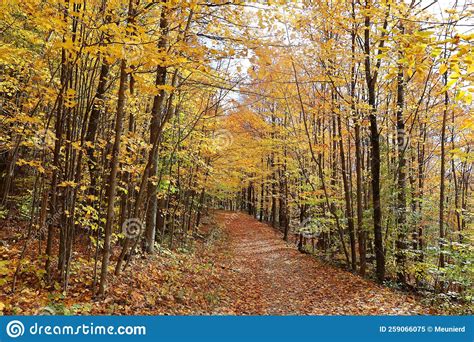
(345, 122)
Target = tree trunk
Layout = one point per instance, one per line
(442, 175)
(156, 118)
(401, 179)
(112, 181)
(371, 81)
(347, 197)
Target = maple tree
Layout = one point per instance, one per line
(345, 125)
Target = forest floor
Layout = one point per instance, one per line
(239, 267)
(272, 277)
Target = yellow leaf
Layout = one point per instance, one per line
(443, 68)
(65, 184)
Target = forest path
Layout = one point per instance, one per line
(269, 276)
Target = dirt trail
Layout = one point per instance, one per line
(268, 276)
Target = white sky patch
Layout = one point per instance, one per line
(437, 8)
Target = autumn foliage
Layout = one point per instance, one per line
(346, 126)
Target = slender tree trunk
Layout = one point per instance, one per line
(348, 198)
(371, 80)
(361, 234)
(59, 126)
(442, 175)
(401, 178)
(112, 182)
(156, 118)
